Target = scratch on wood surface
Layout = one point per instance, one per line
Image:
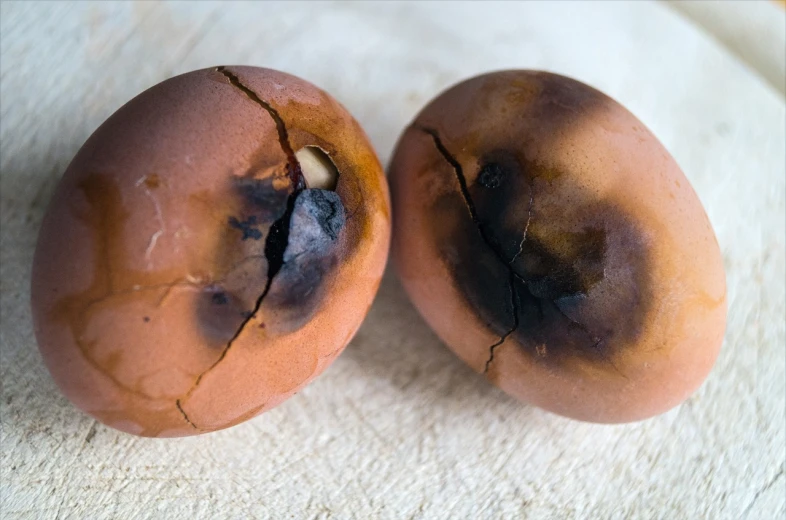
(91, 432)
(419, 512)
(762, 490)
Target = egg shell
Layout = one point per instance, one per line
(154, 252)
(556, 247)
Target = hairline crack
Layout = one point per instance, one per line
(296, 178)
(526, 226)
(185, 416)
(504, 337)
(295, 173)
(473, 214)
(457, 168)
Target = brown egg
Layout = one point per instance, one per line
(211, 249)
(551, 241)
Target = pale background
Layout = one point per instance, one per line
(398, 427)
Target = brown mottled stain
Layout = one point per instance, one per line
(708, 301)
(114, 280)
(152, 181)
(105, 217)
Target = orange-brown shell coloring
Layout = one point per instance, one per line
(187, 277)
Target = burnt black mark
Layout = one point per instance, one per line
(502, 180)
(261, 198)
(547, 330)
(247, 227)
(277, 239)
(491, 175)
(463, 187)
(326, 210)
(227, 321)
(531, 278)
(477, 269)
(312, 251)
(488, 272)
(292, 250)
(219, 313)
(219, 298)
(570, 267)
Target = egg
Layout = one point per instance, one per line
(555, 246)
(209, 251)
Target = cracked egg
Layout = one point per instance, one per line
(555, 246)
(211, 249)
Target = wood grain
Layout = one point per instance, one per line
(398, 427)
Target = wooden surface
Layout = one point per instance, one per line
(751, 30)
(398, 427)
